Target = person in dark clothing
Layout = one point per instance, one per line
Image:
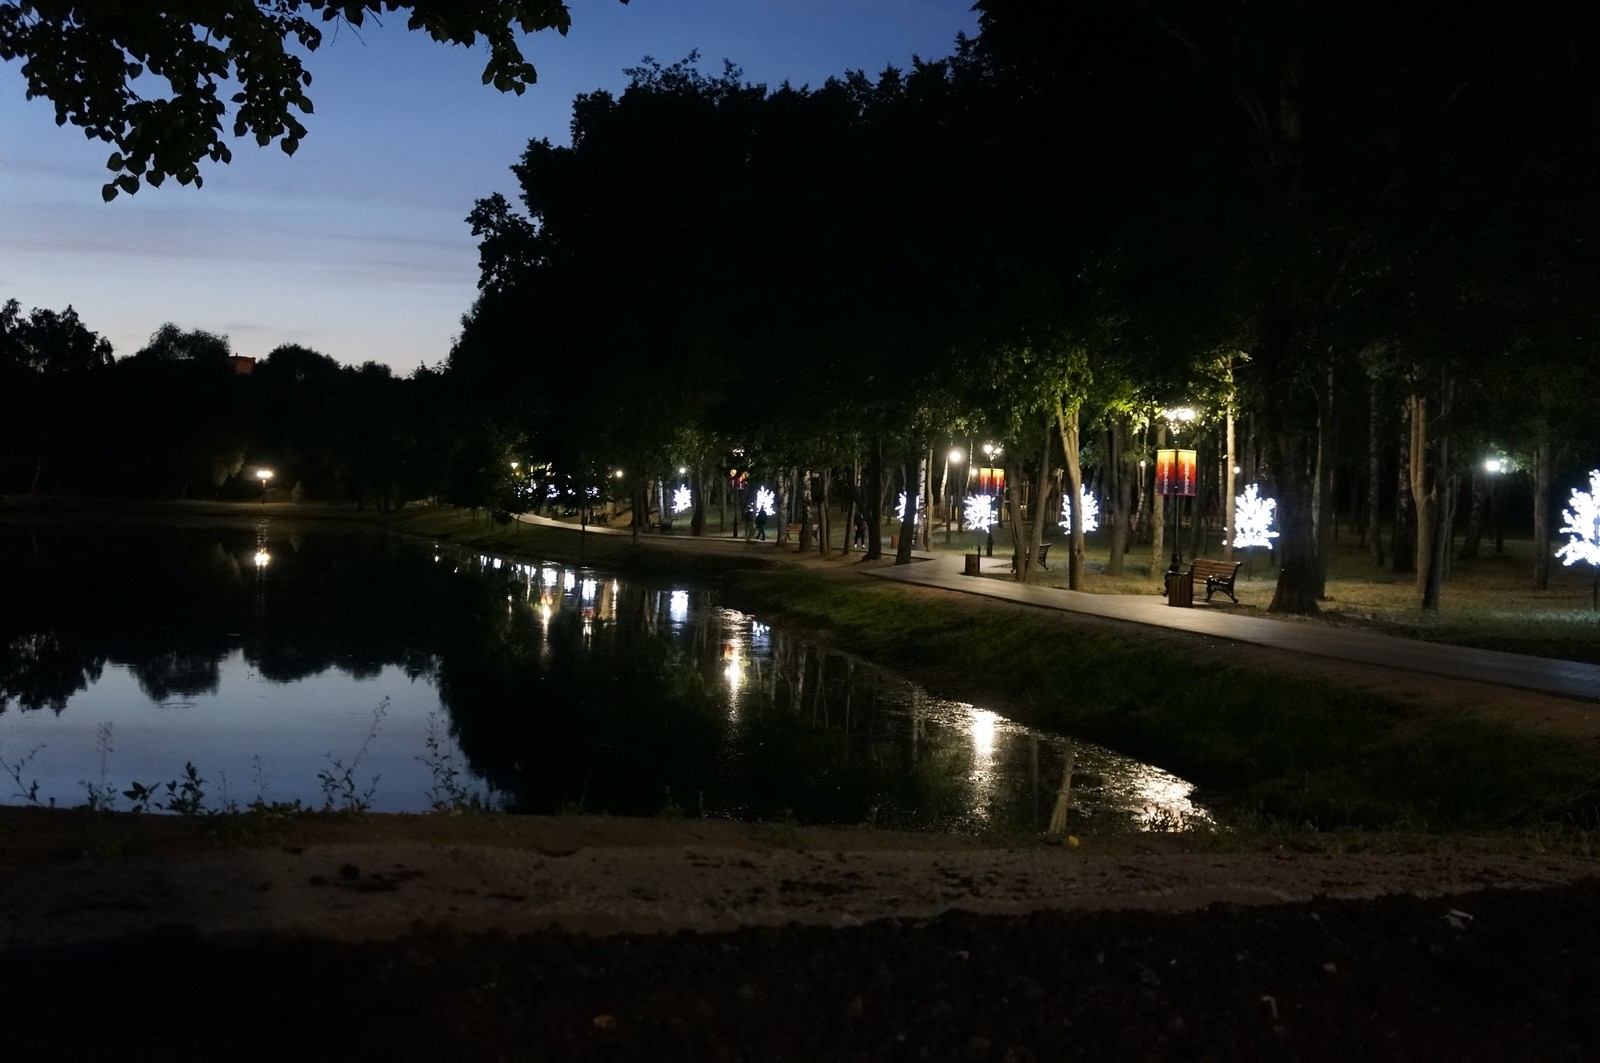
(861, 528)
(761, 524)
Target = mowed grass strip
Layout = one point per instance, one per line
(1290, 747)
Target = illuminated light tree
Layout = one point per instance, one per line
(766, 502)
(1583, 529)
(1253, 515)
(900, 510)
(682, 499)
(1087, 505)
(980, 511)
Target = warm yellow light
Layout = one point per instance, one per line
(956, 457)
(262, 557)
(265, 475)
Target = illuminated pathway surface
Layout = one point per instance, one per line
(1569, 679)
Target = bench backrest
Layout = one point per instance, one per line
(1203, 566)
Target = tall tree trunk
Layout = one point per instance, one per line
(1323, 492)
(1374, 473)
(1230, 462)
(1067, 422)
(1119, 491)
(1424, 499)
(1403, 541)
(908, 525)
(1158, 513)
(1472, 537)
(874, 497)
(807, 513)
(1013, 501)
(1041, 508)
(1543, 456)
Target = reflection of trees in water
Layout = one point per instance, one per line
(171, 603)
(164, 675)
(43, 669)
(617, 715)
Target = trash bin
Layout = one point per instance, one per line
(973, 561)
(1180, 589)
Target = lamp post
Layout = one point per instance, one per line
(1494, 466)
(264, 475)
(1175, 471)
(956, 458)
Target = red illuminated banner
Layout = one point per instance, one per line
(991, 482)
(1175, 472)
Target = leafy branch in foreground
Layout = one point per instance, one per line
(147, 81)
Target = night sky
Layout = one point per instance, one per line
(357, 246)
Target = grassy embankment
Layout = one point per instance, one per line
(1285, 749)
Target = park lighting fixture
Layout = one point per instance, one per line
(956, 456)
(1178, 417)
(1494, 465)
(682, 499)
(1088, 505)
(264, 475)
(262, 557)
(1253, 515)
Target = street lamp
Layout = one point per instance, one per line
(956, 458)
(1175, 476)
(265, 475)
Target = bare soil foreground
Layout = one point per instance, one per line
(594, 938)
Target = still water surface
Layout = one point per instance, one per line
(294, 663)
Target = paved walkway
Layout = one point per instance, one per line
(943, 570)
(1546, 675)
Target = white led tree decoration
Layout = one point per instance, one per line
(900, 509)
(682, 499)
(1087, 505)
(1583, 530)
(1253, 515)
(766, 501)
(979, 510)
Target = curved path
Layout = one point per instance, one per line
(1545, 675)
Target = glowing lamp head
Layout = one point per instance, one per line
(264, 475)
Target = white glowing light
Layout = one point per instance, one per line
(1088, 505)
(548, 576)
(568, 581)
(766, 502)
(900, 509)
(262, 557)
(682, 499)
(1583, 525)
(679, 605)
(1253, 516)
(588, 590)
(982, 728)
(980, 511)
(734, 669)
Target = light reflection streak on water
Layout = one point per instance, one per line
(761, 671)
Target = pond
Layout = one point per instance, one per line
(291, 662)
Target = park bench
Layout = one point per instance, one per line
(1218, 575)
(664, 526)
(1044, 554)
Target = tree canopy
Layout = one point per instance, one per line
(149, 78)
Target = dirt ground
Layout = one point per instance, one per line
(594, 938)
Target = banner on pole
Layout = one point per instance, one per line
(1175, 472)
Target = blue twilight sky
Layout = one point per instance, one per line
(357, 245)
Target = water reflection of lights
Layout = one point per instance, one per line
(262, 557)
(982, 729)
(679, 606)
(549, 577)
(589, 588)
(733, 666)
(568, 581)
